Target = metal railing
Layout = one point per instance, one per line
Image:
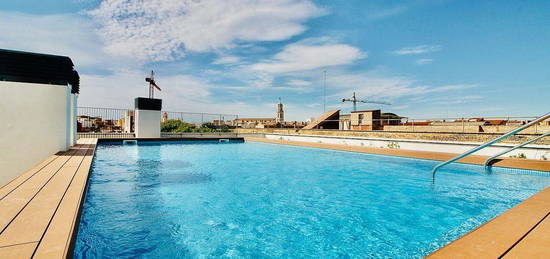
(450, 125)
(488, 160)
(469, 152)
(94, 122)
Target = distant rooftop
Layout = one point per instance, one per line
(366, 111)
(255, 119)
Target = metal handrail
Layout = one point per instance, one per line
(488, 160)
(486, 144)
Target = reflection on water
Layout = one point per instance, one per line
(186, 178)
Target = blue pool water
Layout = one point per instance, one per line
(257, 200)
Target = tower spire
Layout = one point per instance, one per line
(280, 112)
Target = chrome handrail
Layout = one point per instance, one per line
(488, 160)
(486, 144)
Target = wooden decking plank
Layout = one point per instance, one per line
(56, 240)
(18, 251)
(13, 184)
(535, 245)
(15, 201)
(34, 218)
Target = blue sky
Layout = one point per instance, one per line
(438, 58)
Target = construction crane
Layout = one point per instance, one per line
(354, 100)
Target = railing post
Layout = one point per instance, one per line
(486, 144)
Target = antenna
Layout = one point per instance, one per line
(325, 91)
(354, 100)
(152, 85)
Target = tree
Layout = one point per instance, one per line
(176, 126)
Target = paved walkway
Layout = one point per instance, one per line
(39, 209)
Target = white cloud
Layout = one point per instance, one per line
(298, 82)
(447, 100)
(423, 61)
(394, 89)
(125, 85)
(373, 86)
(308, 55)
(400, 107)
(164, 29)
(226, 60)
(376, 13)
(421, 49)
(446, 88)
(65, 34)
(179, 92)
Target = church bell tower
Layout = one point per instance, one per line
(280, 113)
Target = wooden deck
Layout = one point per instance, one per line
(521, 232)
(40, 208)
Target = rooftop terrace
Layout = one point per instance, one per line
(39, 210)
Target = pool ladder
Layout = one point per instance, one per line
(484, 145)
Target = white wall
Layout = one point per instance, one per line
(530, 151)
(73, 124)
(34, 124)
(147, 124)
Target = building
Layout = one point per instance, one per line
(38, 110)
(327, 120)
(392, 119)
(368, 120)
(120, 124)
(84, 123)
(365, 120)
(277, 122)
(345, 122)
(220, 123)
(280, 113)
(128, 122)
(357, 120)
(252, 122)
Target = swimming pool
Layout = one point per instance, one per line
(250, 200)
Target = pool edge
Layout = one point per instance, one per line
(514, 163)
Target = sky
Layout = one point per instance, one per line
(428, 58)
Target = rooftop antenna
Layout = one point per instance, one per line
(325, 91)
(354, 100)
(152, 85)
